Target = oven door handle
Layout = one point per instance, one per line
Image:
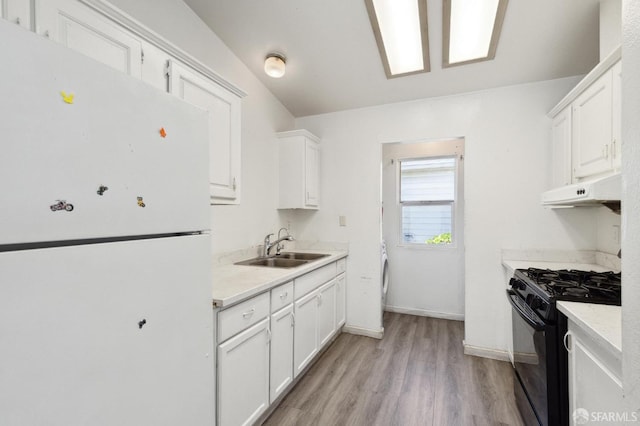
(516, 302)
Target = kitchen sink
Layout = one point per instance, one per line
(301, 256)
(273, 262)
(283, 260)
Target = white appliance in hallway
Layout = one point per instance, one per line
(384, 267)
(105, 288)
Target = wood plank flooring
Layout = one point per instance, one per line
(417, 375)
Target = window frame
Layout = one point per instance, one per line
(452, 203)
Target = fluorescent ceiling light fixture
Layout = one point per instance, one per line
(471, 30)
(400, 28)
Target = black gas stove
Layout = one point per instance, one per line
(539, 289)
(539, 355)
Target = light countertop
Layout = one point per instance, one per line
(235, 283)
(603, 323)
(512, 265)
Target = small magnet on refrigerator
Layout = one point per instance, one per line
(163, 132)
(142, 323)
(61, 205)
(67, 98)
(141, 202)
(102, 189)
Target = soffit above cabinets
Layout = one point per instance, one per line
(333, 62)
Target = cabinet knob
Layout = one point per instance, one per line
(248, 313)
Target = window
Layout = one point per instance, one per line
(427, 200)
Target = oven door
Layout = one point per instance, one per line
(530, 361)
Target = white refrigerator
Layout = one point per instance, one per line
(105, 284)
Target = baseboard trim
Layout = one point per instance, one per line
(424, 313)
(485, 352)
(376, 334)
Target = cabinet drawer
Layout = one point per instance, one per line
(314, 279)
(341, 265)
(235, 319)
(281, 296)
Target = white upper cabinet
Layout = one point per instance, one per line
(16, 11)
(299, 153)
(223, 108)
(80, 28)
(592, 130)
(586, 136)
(561, 149)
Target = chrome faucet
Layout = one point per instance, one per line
(268, 244)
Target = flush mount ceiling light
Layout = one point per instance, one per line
(471, 29)
(274, 65)
(400, 28)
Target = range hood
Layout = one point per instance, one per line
(604, 190)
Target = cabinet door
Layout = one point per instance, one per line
(592, 129)
(616, 116)
(592, 386)
(311, 154)
(326, 312)
(243, 376)
(341, 294)
(16, 11)
(223, 108)
(76, 26)
(561, 149)
(281, 351)
(305, 331)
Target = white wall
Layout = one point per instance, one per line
(631, 205)
(244, 225)
(609, 232)
(507, 144)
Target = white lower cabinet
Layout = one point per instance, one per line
(341, 300)
(269, 339)
(326, 312)
(306, 332)
(243, 376)
(595, 386)
(281, 351)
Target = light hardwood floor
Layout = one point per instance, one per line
(416, 375)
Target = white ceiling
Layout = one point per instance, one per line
(333, 61)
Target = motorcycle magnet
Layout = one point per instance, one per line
(61, 205)
(141, 202)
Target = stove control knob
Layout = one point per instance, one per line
(517, 285)
(537, 303)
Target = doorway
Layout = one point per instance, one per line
(423, 227)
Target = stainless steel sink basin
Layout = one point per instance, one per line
(301, 256)
(273, 262)
(283, 260)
